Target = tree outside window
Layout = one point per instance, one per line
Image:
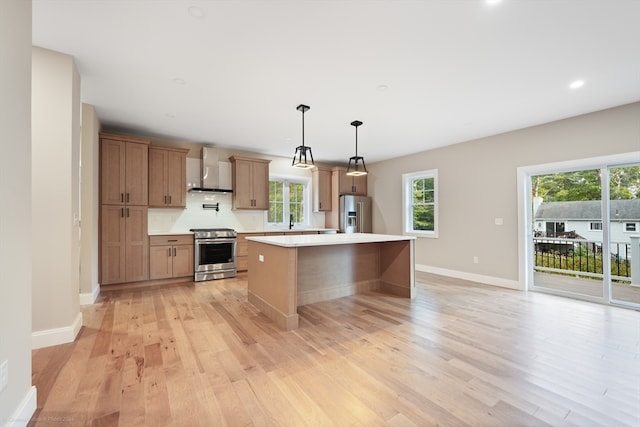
(420, 198)
(286, 198)
(276, 201)
(423, 204)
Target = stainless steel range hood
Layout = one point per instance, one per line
(215, 176)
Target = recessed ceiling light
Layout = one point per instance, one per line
(196, 12)
(492, 2)
(179, 81)
(576, 84)
(382, 88)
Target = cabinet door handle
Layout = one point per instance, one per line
(174, 251)
(172, 240)
(127, 197)
(169, 252)
(169, 199)
(121, 197)
(121, 212)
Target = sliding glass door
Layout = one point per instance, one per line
(585, 233)
(624, 234)
(567, 233)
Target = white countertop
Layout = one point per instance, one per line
(293, 230)
(328, 239)
(287, 230)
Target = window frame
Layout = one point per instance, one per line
(595, 226)
(306, 204)
(407, 203)
(629, 229)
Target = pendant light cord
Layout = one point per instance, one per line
(356, 141)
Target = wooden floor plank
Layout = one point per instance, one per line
(459, 354)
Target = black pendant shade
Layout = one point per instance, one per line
(356, 165)
(303, 158)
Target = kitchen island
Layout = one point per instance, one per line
(288, 271)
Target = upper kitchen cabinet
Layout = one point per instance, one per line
(250, 181)
(356, 185)
(321, 181)
(124, 163)
(167, 177)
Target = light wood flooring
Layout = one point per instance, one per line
(460, 354)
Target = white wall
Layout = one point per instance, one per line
(90, 155)
(478, 183)
(18, 400)
(55, 119)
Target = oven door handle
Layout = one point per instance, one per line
(216, 240)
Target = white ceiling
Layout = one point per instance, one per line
(453, 70)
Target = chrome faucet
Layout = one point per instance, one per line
(290, 221)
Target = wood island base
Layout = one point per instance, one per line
(288, 271)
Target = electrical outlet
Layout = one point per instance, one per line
(4, 375)
(261, 258)
(475, 260)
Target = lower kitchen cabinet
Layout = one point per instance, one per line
(170, 256)
(124, 244)
(242, 259)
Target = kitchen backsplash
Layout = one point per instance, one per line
(194, 216)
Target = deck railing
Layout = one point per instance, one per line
(580, 257)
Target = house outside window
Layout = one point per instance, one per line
(595, 226)
(287, 197)
(420, 203)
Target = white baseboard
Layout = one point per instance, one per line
(89, 298)
(487, 280)
(25, 410)
(56, 336)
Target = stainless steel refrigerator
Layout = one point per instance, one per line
(355, 214)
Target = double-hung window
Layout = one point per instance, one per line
(288, 199)
(420, 203)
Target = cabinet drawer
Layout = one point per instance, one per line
(174, 239)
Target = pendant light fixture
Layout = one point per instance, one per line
(354, 168)
(300, 159)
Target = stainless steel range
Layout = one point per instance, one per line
(214, 254)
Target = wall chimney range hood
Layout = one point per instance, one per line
(215, 176)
